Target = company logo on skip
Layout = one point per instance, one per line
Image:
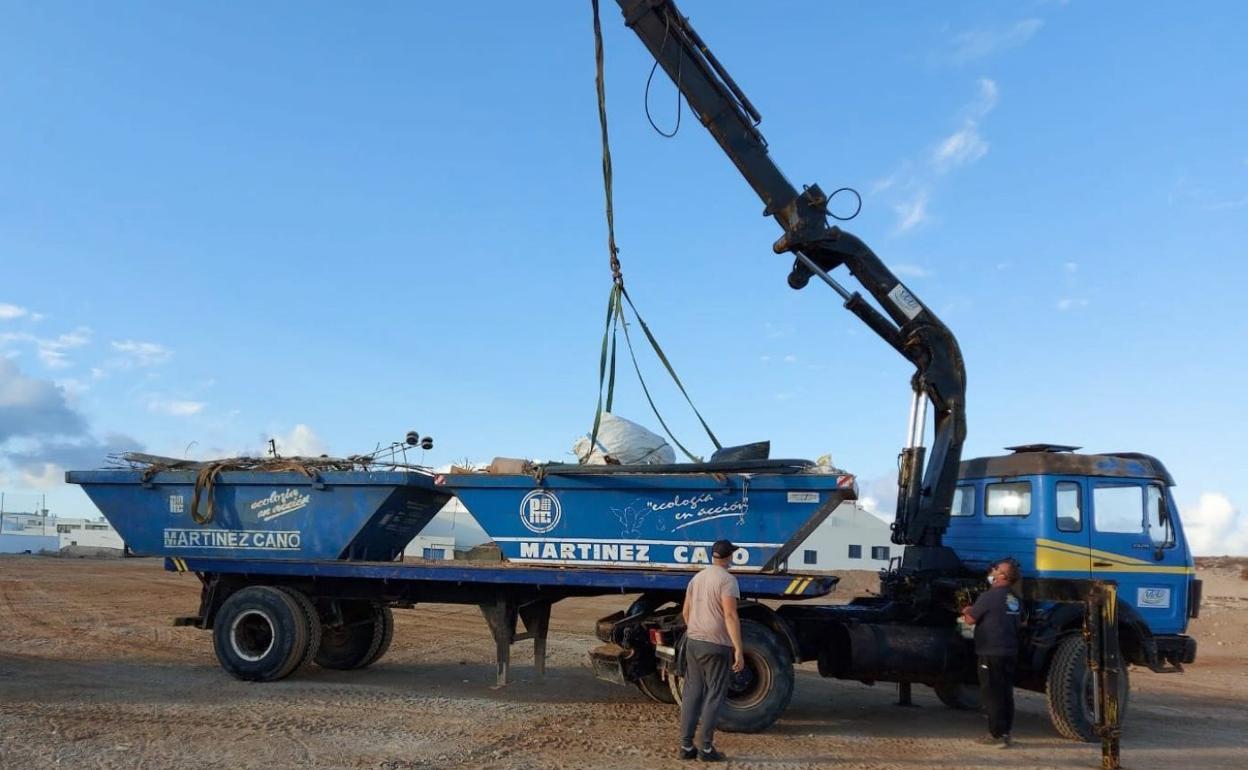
(540, 511)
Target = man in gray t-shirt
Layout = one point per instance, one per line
(712, 648)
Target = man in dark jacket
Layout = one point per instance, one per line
(996, 615)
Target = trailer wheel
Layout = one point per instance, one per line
(315, 629)
(758, 695)
(1069, 691)
(964, 697)
(384, 620)
(359, 639)
(655, 688)
(261, 634)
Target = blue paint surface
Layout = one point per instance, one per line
(287, 515)
(646, 520)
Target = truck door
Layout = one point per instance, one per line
(1133, 543)
(1063, 544)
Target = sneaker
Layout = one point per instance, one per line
(688, 752)
(1005, 741)
(988, 740)
(710, 755)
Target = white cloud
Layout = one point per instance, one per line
(911, 184)
(764, 359)
(959, 148)
(50, 350)
(175, 408)
(979, 43)
(1228, 205)
(1215, 527)
(41, 476)
(1071, 267)
(911, 271)
(9, 312)
(300, 442)
(142, 353)
(987, 100)
(880, 185)
(878, 496)
(1070, 303)
(790, 359)
(911, 213)
(54, 359)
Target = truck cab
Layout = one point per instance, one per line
(1063, 514)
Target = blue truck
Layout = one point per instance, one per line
(1065, 516)
(297, 564)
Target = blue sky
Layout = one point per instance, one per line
(332, 224)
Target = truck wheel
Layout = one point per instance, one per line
(357, 641)
(261, 634)
(758, 695)
(964, 697)
(1069, 691)
(654, 687)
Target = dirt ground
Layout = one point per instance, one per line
(93, 675)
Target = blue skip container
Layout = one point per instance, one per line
(633, 516)
(286, 515)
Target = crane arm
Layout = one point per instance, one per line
(926, 482)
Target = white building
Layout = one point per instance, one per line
(850, 538)
(28, 533)
(430, 547)
(41, 532)
(87, 533)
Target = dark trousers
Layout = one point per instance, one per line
(996, 691)
(707, 668)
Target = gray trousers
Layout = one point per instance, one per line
(707, 668)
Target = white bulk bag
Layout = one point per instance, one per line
(625, 442)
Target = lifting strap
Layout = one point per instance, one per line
(619, 295)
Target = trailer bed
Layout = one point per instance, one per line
(556, 582)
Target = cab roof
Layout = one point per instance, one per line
(1056, 459)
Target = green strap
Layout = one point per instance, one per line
(646, 390)
(608, 341)
(658, 350)
(615, 304)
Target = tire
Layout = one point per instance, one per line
(359, 640)
(261, 634)
(963, 697)
(654, 687)
(385, 619)
(316, 631)
(1068, 687)
(759, 694)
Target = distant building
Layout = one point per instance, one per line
(28, 532)
(430, 548)
(41, 532)
(850, 538)
(87, 533)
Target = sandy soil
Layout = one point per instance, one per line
(93, 675)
